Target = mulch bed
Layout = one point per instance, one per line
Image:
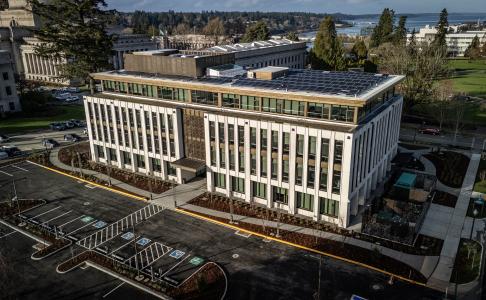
(341, 249)
(465, 270)
(208, 283)
(43, 159)
(451, 167)
(68, 156)
(221, 203)
(444, 198)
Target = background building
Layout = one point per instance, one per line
(457, 42)
(313, 143)
(9, 100)
(278, 53)
(129, 43)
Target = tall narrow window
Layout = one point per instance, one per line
(300, 144)
(274, 168)
(263, 139)
(325, 150)
(259, 190)
(285, 170)
(274, 140)
(253, 138)
(286, 143)
(312, 147)
(263, 165)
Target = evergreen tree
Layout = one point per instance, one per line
(473, 51)
(400, 35)
(442, 28)
(293, 36)
(359, 48)
(74, 33)
(328, 51)
(412, 43)
(383, 32)
(256, 32)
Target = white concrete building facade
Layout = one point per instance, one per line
(314, 154)
(457, 42)
(9, 99)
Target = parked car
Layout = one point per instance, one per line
(57, 126)
(72, 137)
(431, 131)
(4, 138)
(71, 99)
(78, 123)
(63, 96)
(3, 155)
(49, 143)
(11, 151)
(69, 124)
(72, 89)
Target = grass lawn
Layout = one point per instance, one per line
(469, 76)
(480, 186)
(466, 266)
(22, 124)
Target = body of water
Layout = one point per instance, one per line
(413, 21)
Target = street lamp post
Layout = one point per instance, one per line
(475, 213)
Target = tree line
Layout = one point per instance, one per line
(234, 23)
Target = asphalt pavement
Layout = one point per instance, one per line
(256, 269)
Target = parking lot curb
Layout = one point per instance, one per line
(196, 215)
(27, 234)
(129, 281)
(133, 196)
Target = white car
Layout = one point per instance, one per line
(63, 96)
(72, 99)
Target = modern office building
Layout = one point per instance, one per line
(260, 54)
(129, 43)
(457, 41)
(9, 100)
(314, 143)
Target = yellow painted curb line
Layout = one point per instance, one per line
(90, 182)
(195, 215)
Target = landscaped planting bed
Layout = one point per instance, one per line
(43, 159)
(371, 258)
(451, 167)
(467, 263)
(445, 199)
(480, 185)
(69, 156)
(221, 203)
(207, 283)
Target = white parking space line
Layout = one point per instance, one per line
(131, 241)
(175, 265)
(118, 286)
(82, 227)
(57, 217)
(8, 234)
(15, 166)
(6, 173)
(68, 222)
(34, 217)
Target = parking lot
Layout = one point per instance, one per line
(171, 246)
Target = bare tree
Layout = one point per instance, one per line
(214, 29)
(441, 99)
(458, 109)
(422, 65)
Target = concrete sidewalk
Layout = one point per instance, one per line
(442, 275)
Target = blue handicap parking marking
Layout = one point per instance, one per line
(143, 241)
(177, 254)
(99, 224)
(128, 236)
(354, 297)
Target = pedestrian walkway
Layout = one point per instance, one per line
(442, 275)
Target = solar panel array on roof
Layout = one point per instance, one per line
(313, 81)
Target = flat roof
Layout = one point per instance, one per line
(406, 180)
(303, 82)
(240, 47)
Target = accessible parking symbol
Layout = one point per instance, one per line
(143, 241)
(196, 261)
(87, 219)
(177, 254)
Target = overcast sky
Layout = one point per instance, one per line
(329, 6)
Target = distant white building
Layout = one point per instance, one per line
(260, 54)
(9, 100)
(457, 42)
